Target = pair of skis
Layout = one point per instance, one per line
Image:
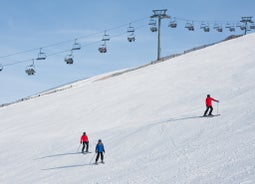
(210, 116)
(102, 162)
(86, 152)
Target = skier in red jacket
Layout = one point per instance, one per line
(85, 141)
(208, 103)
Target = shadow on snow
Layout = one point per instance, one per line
(180, 119)
(67, 167)
(61, 154)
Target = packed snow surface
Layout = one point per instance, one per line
(149, 121)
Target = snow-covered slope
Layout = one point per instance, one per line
(148, 120)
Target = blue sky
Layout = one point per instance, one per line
(31, 24)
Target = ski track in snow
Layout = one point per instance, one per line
(149, 120)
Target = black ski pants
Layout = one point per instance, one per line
(207, 108)
(85, 144)
(101, 154)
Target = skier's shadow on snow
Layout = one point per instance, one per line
(67, 167)
(61, 154)
(180, 119)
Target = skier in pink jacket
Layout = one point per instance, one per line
(208, 103)
(85, 141)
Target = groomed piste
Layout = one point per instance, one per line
(149, 121)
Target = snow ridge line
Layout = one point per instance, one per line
(35, 96)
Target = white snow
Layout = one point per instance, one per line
(148, 121)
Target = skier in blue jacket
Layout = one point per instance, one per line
(100, 151)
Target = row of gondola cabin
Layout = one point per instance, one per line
(203, 26)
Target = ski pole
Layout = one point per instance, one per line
(92, 158)
(217, 108)
(78, 148)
